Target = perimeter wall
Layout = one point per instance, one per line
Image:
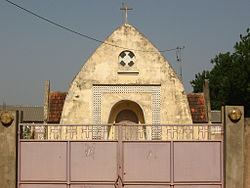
(247, 152)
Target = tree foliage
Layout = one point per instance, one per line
(197, 83)
(229, 80)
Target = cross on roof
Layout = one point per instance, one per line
(126, 11)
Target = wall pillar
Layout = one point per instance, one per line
(234, 147)
(8, 148)
(46, 101)
(207, 100)
(247, 152)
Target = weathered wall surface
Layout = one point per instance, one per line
(247, 152)
(8, 153)
(234, 148)
(103, 68)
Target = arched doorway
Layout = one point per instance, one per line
(126, 110)
(127, 116)
(128, 113)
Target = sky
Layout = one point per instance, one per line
(33, 51)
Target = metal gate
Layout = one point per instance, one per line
(131, 156)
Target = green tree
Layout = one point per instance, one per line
(229, 80)
(197, 83)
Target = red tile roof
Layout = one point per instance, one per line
(56, 102)
(197, 107)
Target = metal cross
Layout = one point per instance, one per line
(126, 11)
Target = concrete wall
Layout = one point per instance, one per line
(234, 147)
(103, 67)
(8, 153)
(247, 153)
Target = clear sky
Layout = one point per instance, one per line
(32, 50)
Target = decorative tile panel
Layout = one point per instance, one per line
(98, 90)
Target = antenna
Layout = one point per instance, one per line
(179, 59)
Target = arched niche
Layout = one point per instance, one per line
(126, 116)
(126, 111)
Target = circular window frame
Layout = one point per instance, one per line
(126, 58)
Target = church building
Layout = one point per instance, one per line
(126, 80)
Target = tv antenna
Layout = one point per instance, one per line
(179, 59)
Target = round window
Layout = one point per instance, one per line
(127, 58)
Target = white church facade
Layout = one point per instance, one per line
(126, 79)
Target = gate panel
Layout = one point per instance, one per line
(93, 161)
(197, 161)
(197, 186)
(147, 161)
(92, 186)
(147, 186)
(43, 161)
(42, 186)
